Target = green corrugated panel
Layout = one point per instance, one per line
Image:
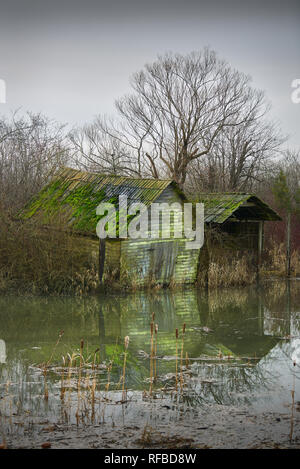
(218, 207)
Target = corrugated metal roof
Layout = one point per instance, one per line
(218, 207)
(137, 189)
(77, 194)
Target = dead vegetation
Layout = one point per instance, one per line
(38, 261)
(275, 261)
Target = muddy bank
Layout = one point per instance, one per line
(212, 427)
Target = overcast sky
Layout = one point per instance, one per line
(71, 60)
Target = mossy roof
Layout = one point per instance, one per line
(76, 195)
(219, 207)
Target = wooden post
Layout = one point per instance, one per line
(260, 246)
(101, 259)
(288, 244)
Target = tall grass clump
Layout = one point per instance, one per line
(275, 261)
(226, 273)
(38, 260)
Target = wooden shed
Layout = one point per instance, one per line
(236, 222)
(73, 196)
(239, 214)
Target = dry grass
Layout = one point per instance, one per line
(227, 273)
(39, 261)
(275, 262)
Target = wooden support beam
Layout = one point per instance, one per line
(101, 258)
(260, 246)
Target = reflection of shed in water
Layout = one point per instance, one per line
(213, 324)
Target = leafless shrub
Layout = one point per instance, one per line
(32, 148)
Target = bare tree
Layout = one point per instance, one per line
(180, 109)
(240, 157)
(32, 148)
(96, 150)
(286, 190)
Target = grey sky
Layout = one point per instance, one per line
(71, 59)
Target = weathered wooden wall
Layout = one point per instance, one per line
(141, 262)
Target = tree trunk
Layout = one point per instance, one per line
(288, 244)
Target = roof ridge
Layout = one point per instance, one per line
(225, 193)
(65, 168)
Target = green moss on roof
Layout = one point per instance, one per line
(75, 195)
(218, 207)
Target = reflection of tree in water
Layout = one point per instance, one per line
(243, 323)
(236, 324)
(226, 384)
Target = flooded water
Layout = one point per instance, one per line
(241, 347)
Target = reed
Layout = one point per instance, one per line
(45, 370)
(155, 351)
(71, 359)
(181, 356)
(62, 380)
(79, 381)
(176, 363)
(109, 368)
(151, 352)
(94, 383)
(187, 362)
(126, 343)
